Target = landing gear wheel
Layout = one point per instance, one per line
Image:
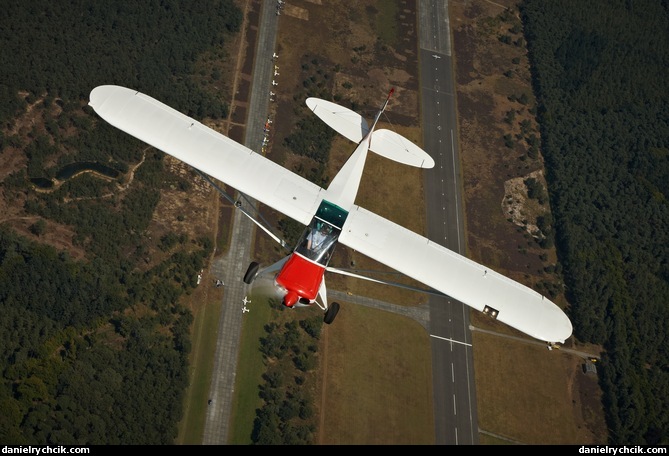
(331, 313)
(251, 272)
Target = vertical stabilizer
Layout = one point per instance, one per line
(344, 187)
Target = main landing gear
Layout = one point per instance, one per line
(331, 313)
(251, 272)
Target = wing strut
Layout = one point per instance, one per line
(385, 282)
(238, 205)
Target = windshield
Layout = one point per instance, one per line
(318, 241)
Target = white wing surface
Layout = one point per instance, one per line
(207, 150)
(454, 275)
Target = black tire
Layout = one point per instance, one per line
(251, 272)
(331, 313)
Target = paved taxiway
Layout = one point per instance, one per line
(232, 267)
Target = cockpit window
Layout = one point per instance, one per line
(318, 241)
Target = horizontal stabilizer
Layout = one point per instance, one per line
(354, 127)
(347, 123)
(396, 147)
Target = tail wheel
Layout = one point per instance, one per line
(331, 313)
(251, 272)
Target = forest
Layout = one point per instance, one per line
(287, 416)
(600, 77)
(95, 350)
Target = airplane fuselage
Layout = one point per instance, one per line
(301, 277)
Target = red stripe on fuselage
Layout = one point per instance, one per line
(301, 276)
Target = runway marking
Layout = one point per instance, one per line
(457, 210)
(451, 340)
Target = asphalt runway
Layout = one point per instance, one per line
(455, 414)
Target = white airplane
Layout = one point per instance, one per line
(245, 309)
(435, 56)
(275, 56)
(271, 94)
(274, 82)
(276, 73)
(330, 214)
(246, 300)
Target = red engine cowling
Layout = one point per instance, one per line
(301, 278)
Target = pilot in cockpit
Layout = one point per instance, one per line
(317, 238)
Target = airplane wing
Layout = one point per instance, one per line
(207, 150)
(455, 275)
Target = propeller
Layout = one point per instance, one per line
(263, 285)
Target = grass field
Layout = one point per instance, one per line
(376, 380)
(523, 393)
(249, 372)
(205, 333)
